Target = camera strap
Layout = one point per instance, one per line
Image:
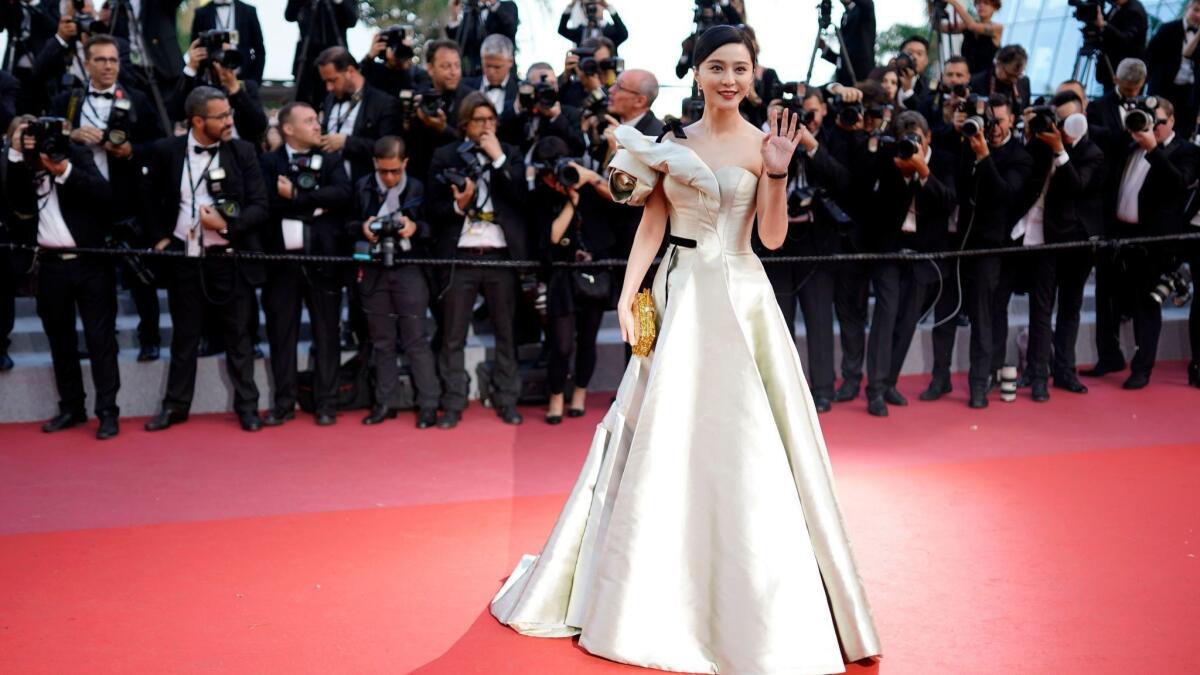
(353, 105)
(194, 185)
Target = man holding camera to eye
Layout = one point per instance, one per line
(991, 167)
(473, 21)
(435, 121)
(542, 115)
(308, 194)
(61, 64)
(57, 184)
(587, 73)
(585, 19)
(388, 65)
(477, 205)
(914, 197)
(213, 62)
(1007, 77)
(1171, 59)
(207, 198)
(355, 113)
(29, 24)
(942, 106)
(242, 18)
(389, 215)
(118, 125)
(1156, 173)
(857, 49)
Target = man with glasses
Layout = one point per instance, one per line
(1006, 77)
(207, 200)
(481, 220)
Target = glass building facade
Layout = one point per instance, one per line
(1049, 32)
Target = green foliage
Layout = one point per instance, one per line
(888, 42)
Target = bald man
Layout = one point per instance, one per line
(629, 101)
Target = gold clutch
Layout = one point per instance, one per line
(647, 318)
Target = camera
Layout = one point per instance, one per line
(400, 40)
(979, 118)
(458, 175)
(387, 230)
(215, 179)
(593, 12)
(590, 65)
(123, 236)
(52, 137)
(214, 41)
(693, 109)
(904, 62)
(432, 105)
(1177, 284)
(1140, 114)
(1085, 10)
(119, 122)
(408, 103)
(904, 147)
(1043, 120)
(306, 171)
(596, 104)
(564, 173)
(815, 200)
(86, 23)
(848, 114)
(957, 90)
(540, 95)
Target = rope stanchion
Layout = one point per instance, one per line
(257, 256)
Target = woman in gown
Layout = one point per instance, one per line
(703, 534)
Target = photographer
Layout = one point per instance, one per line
(1155, 176)
(153, 38)
(10, 95)
(816, 227)
(473, 21)
(1064, 196)
(479, 220)
(396, 295)
(570, 203)
(914, 89)
(355, 113)
(28, 25)
(941, 106)
(499, 85)
(1106, 115)
(980, 37)
(1122, 36)
(585, 19)
(858, 43)
(235, 15)
(708, 13)
(216, 65)
(1006, 76)
(308, 194)
(51, 177)
(322, 24)
(991, 168)
(1171, 59)
(913, 198)
(587, 73)
(118, 125)
(60, 65)
(388, 65)
(206, 197)
(541, 115)
(436, 122)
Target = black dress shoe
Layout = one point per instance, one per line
(250, 421)
(1194, 374)
(576, 412)
(877, 406)
(108, 427)
(276, 417)
(846, 392)
(978, 399)
(822, 404)
(148, 353)
(937, 388)
(1071, 384)
(426, 419)
(450, 419)
(1025, 380)
(1102, 369)
(164, 419)
(509, 414)
(64, 420)
(1041, 392)
(1137, 381)
(378, 415)
(893, 396)
(6, 362)
(553, 419)
(325, 419)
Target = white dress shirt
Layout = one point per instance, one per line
(910, 220)
(496, 96)
(193, 196)
(1186, 74)
(342, 118)
(1032, 224)
(94, 112)
(52, 229)
(1137, 167)
(481, 233)
(391, 204)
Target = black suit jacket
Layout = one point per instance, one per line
(250, 37)
(159, 35)
(1074, 198)
(43, 25)
(893, 195)
(368, 199)
(1163, 56)
(1164, 194)
(1123, 37)
(509, 193)
(328, 29)
(10, 92)
(987, 192)
(858, 35)
(84, 199)
(52, 68)
(244, 185)
(323, 234)
(502, 20)
(985, 83)
(510, 127)
(1105, 126)
(615, 31)
(378, 116)
(829, 170)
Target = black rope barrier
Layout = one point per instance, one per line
(904, 256)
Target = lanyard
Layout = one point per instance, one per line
(194, 186)
(352, 105)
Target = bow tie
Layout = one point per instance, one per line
(494, 87)
(101, 94)
(210, 149)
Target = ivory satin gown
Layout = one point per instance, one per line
(703, 533)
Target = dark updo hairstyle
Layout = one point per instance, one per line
(716, 37)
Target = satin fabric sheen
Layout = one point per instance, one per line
(703, 533)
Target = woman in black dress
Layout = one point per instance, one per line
(981, 37)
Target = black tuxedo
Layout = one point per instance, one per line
(510, 126)
(159, 36)
(502, 20)
(66, 282)
(228, 282)
(378, 116)
(326, 29)
(1106, 127)
(397, 296)
(1123, 37)
(987, 191)
(52, 67)
(250, 37)
(985, 83)
(10, 94)
(508, 202)
(290, 286)
(858, 36)
(390, 80)
(423, 141)
(614, 30)
(1074, 199)
(1163, 58)
(28, 29)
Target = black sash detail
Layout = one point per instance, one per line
(680, 241)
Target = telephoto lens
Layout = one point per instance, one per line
(1008, 384)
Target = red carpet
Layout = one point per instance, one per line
(1056, 538)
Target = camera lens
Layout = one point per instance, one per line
(972, 126)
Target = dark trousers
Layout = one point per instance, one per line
(499, 289)
(575, 331)
(918, 290)
(886, 280)
(1057, 275)
(145, 300)
(1016, 275)
(1139, 268)
(1193, 261)
(979, 278)
(8, 300)
(850, 300)
(399, 297)
(88, 286)
(1108, 313)
(220, 280)
(813, 288)
(289, 288)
